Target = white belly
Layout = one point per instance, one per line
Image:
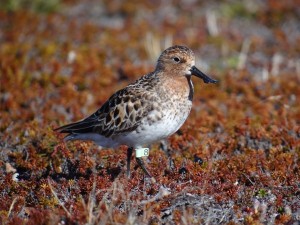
(148, 133)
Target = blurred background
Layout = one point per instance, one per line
(62, 59)
(91, 42)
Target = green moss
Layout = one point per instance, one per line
(49, 202)
(39, 6)
(261, 193)
(238, 9)
(232, 61)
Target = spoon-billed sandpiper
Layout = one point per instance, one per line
(148, 110)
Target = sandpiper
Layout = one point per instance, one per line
(146, 111)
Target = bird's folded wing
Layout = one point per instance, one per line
(122, 113)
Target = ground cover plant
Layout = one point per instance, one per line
(235, 160)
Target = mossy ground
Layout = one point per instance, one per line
(235, 160)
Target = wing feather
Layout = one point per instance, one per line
(122, 112)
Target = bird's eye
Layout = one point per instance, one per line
(176, 59)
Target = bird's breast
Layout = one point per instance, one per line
(169, 106)
(170, 110)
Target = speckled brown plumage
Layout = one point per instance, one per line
(148, 110)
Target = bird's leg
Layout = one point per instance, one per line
(164, 145)
(129, 154)
(142, 165)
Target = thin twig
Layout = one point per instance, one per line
(60, 203)
(12, 206)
